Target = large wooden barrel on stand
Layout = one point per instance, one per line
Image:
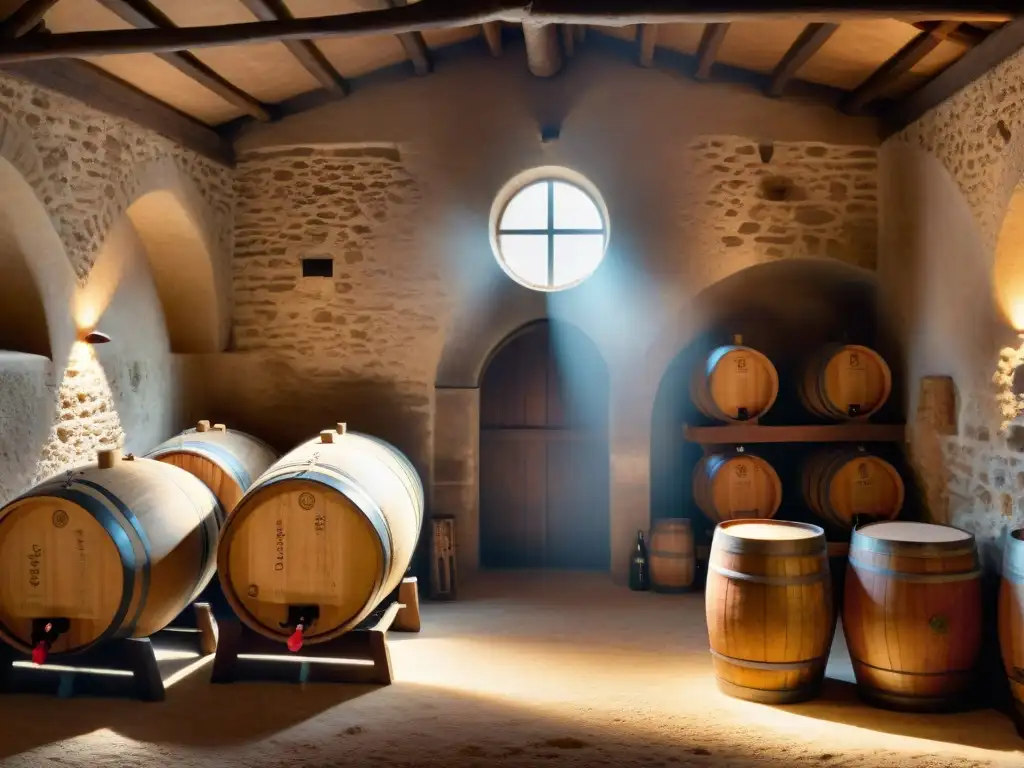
(769, 610)
(843, 485)
(104, 552)
(322, 537)
(845, 381)
(912, 614)
(734, 383)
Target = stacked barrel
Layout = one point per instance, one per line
(309, 544)
(840, 485)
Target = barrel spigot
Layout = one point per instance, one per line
(300, 619)
(44, 634)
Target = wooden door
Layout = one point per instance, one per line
(544, 452)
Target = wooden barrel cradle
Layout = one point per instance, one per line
(736, 485)
(672, 557)
(912, 614)
(1011, 616)
(106, 551)
(769, 609)
(845, 381)
(734, 383)
(227, 461)
(322, 537)
(844, 484)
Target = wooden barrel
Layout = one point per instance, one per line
(842, 484)
(845, 381)
(734, 383)
(1011, 616)
(736, 485)
(912, 614)
(672, 558)
(321, 537)
(769, 609)
(226, 460)
(106, 551)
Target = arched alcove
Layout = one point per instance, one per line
(787, 310)
(183, 271)
(544, 451)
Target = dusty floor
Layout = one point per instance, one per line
(530, 670)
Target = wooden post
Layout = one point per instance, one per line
(936, 405)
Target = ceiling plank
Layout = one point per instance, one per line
(430, 14)
(543, 53)
(95, 88)
(492, 34)
(999, 46)
(648, 42)
(803, 49)
(305, 52)
(144, 15)
(710, 43)
(904, 60)
(414, 44)
(25, 18)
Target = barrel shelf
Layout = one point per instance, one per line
(731, 434)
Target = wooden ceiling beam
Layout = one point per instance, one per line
(803, 49)
(966, 34)
(999, 46)
(26, 18)
(898, 65)
(492, 34)
(414, 44)
(95, 88)
(445, 14)
(710, 43)
(304, 51)
(543, 51)
(145, 16)
(648, 42)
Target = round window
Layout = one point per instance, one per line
(549, 233)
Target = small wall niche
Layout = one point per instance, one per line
(319, 266)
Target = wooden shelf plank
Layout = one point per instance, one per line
(809, 433)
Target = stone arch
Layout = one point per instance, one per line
(187, 262)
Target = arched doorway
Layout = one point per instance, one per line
(544, 452)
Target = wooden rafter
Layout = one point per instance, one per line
(305, 52)
(492, 34)
(144, 15)
(803, 49)
(999, 46)
(648, 42)
(898, 65)
(710, 43)
(437, 14)
(26, 18)
(415, 46)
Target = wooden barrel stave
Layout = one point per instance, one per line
(843, 375)
(672, 558)
(227, 461)
(734, 377)
(135, 544)
(350, 508)
(912, 615)
(782, 660)
(843, 484)
(1011, 616)
(736, 485)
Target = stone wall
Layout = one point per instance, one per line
(949, 180)
(398, 190)
(68, 175)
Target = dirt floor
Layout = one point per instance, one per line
(525, 670)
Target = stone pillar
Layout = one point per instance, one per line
(456, 487)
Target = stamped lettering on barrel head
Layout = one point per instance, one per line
(307, 500)
(60, 518)
(320, 523)
(279, 546)
(34, 561)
